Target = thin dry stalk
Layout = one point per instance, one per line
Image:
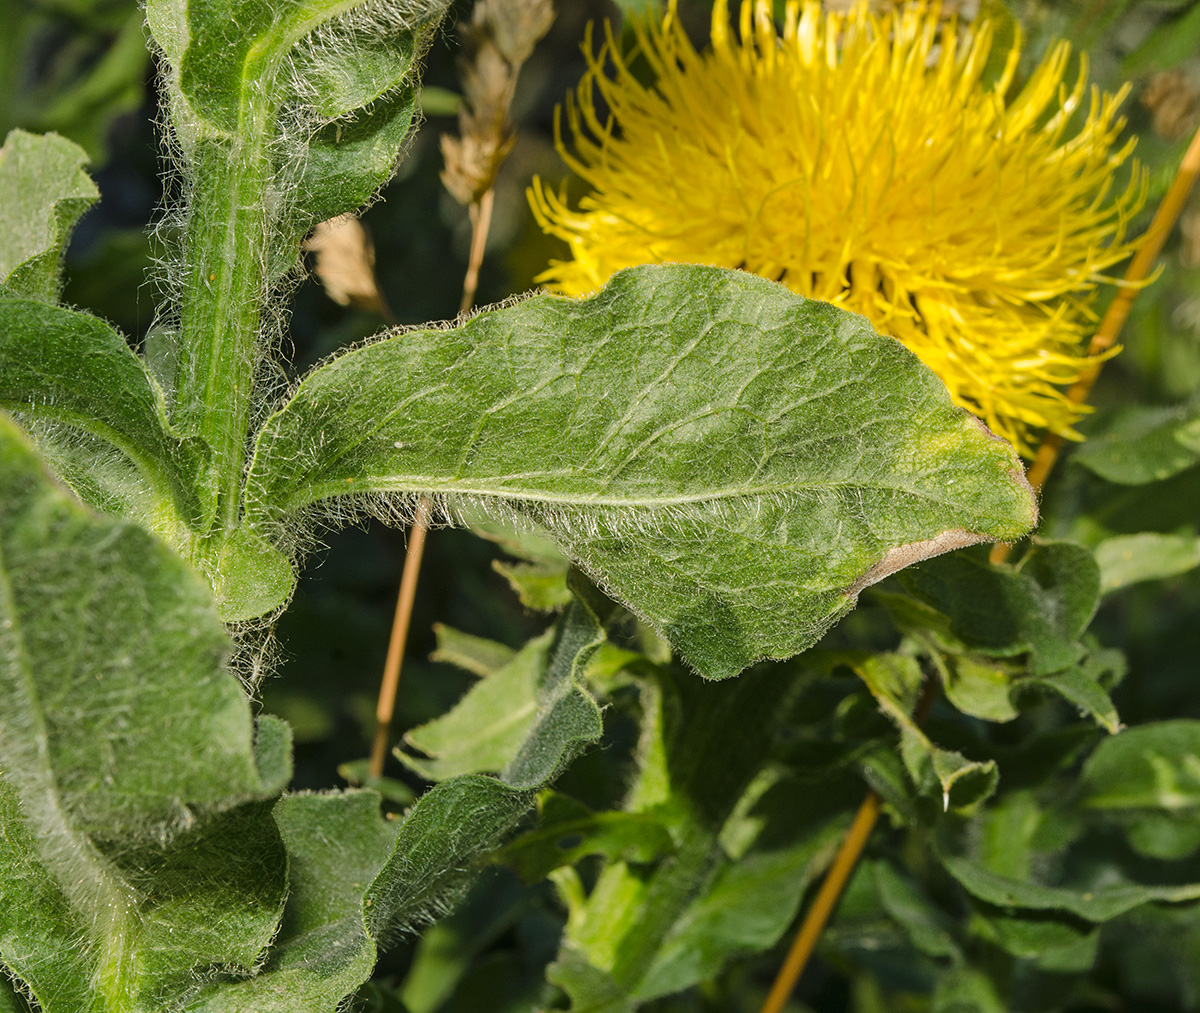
(498, 40)
(481, 221)
(388, 688)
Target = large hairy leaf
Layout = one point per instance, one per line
(43, 191)
(76, 370)
(133, 852)
(730, 460)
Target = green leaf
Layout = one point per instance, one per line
(43, 191)
(1039, 608)
(336, 846)
(907, 905)
(726, 458)
(355, 882)
(539, 586)
(965, 990)
(484, 730)
(476, 655)
(77, 371)
(127, 812)
(1152, 766)
(1142, 445)
(526, 718)
(541, 580)
(568, 718)
(568, 831)
(442, 840)
(1050, 942)
(1081, 687)
(108, 631)
(981, 687)
(1128, 559)
(1093, 903)
(591, 990)
(344, 72)
(742, 860)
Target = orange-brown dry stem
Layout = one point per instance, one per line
(391, 669)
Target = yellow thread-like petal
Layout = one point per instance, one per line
(862, 160)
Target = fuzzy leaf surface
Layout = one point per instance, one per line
(731, 461)
(1039, 608)
(74, 369)
(43, 191)
(128, 812)
(345, 71)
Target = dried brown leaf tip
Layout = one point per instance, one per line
(497, 41)
(346, 263)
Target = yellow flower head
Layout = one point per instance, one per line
(864, 161)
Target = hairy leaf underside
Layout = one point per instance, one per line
(731, 461)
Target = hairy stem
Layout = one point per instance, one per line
(222, 307)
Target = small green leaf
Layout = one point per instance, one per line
(1142, 445)
(441, 842)
(1128, 559)
(1099, 903)
(965, 990)
(568, 830)
(895, 681)
(1168, 836)
(273, 752)
(476, 655)
(539, 586)
(908, 906)
(524, 719)
(568, 718)
(251, 578)
(1049, 941)
(485, 729)
(590, 989)
(1080, 686)
(981, 687)
(723, 456)
(43, 191)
